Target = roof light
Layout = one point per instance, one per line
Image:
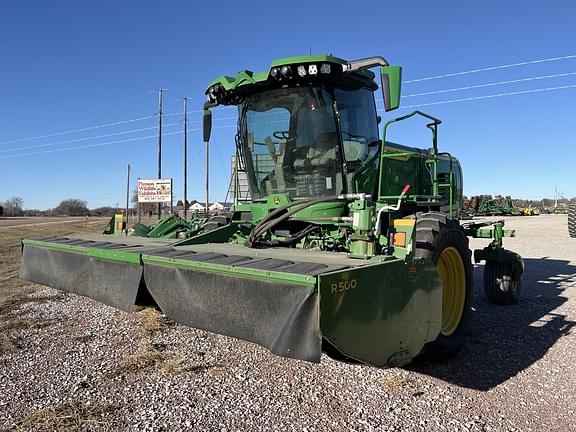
(274, 72)
(302, 70)
(212, 92)
(325, 68)
(286, 71)
(312, 69)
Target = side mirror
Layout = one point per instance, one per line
(391, 79)
(207, 124)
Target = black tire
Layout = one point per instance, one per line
(572, 220)
(502, 284)
(435, 232)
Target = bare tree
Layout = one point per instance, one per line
(72, 207)
(14, 206)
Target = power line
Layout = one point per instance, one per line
(66, 132)
(487, 96)
(84, 138)
(490, 68)
(227, 126)
(77, 130)
(233, 125)
(107, 143)
(486, 85)
(86, 146)
(105, 135)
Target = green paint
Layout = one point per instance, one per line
(375, 312)
(101, 254)
(391, 85)
(226, 270)
(218, 235)
(55, 246)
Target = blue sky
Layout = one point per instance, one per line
(70, 65)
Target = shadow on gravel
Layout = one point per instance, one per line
(504, 340)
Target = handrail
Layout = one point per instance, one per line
(433, 126)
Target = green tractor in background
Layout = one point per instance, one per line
(349, 244)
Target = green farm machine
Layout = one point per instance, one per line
(349, 244)
(502, 206)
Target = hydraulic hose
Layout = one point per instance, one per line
(294, 238)
(269, 221)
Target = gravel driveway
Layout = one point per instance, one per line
(68, 363)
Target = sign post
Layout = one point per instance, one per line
(127, 197)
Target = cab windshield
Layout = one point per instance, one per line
(290, 143)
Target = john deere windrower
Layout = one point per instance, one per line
(347, 243)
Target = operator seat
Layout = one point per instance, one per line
(321, 153)
(314, 168)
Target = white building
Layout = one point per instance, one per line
(196, 207)
(216, 207)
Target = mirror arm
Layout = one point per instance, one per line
(365, 63)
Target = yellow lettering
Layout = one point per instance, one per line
(343, 285)
(334, 288)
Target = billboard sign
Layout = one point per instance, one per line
(154, 191)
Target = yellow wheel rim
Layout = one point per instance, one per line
(451, 269)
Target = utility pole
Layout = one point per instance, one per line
(160, 144)
(556, 198)
(127, 197)
(185, 157)
(207, 165)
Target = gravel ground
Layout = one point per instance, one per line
(68, 363)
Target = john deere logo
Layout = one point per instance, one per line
(276, 201)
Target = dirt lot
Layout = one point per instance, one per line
(14, 229)
(67, 363)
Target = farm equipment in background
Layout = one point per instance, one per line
(350, 244)
(489, 207)
(170, 227)
(498, 206)
(530, 211)
(470, 207)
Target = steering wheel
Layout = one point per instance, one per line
(283, 135)
(352, 137)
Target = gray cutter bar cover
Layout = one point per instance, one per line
(279, 316)
(112, 283)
